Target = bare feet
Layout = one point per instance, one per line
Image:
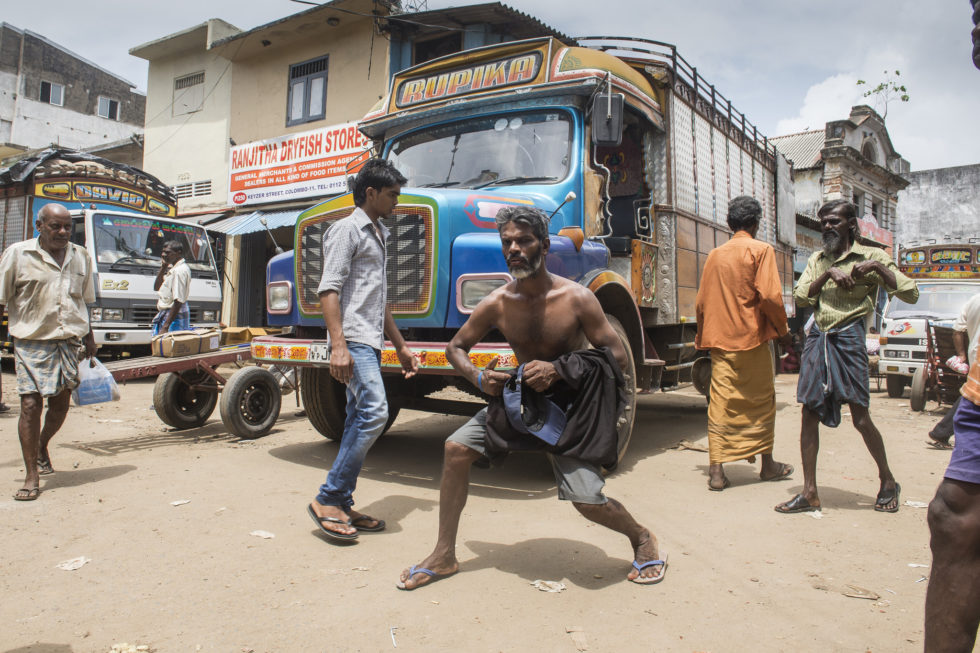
(773, 471)
(342, 526)
(717, 480)
(435, 569)
(645, 551)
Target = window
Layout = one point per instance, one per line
(858, 200)
(53, 93)
(195, 189)
(307, 99)
(108, 108)
(188, 94)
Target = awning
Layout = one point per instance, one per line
(248, 223)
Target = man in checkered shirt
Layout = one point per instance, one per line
(353, 294)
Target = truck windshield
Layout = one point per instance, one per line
(516, 148)
(133, 241)
(937, 301)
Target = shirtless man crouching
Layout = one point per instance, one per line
(542, 316)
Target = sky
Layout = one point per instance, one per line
(789, 65)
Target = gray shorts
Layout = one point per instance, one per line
(577, 480)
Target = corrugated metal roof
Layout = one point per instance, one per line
(802, 149)
(248, 223)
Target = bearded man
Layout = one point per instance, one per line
(841, 283)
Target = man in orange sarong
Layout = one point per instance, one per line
(739, 310)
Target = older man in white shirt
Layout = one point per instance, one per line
(46, 283)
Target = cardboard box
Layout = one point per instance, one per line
(239, 335)
(185, 343)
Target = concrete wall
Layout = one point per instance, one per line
(943, 203)
(808, 190)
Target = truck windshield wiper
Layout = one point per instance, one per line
(440, 184)
(514, 180)
(132, 260)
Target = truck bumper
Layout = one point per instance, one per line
(430, 355)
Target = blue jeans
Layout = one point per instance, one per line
(367, 413)
(181, 323)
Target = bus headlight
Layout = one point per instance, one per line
(279, 297)
(472, 288)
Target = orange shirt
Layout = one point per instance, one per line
(740, 299)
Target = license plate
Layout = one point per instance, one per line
(319, 352)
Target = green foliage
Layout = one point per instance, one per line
(887, 91)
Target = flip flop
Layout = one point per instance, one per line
(433, 577)
(786, 473)
(377, 528)
(884, 499)
(333, 536)
(939, 444)
(44, 467)
(640, 566)
(724, 485)
(796, 504)
(24, 494)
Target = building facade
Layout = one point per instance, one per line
(50, 95)
(942, 204)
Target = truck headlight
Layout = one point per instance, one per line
(472, 288)
(279, 297)
(96, 314)
(209, 316)
(112, 314)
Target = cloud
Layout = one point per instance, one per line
(830, 99)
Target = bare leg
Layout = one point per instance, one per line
(953, 597)
(876, 446)
(809, 446)
(716, 477)
(614, 515)
(54, 418)
(29, 430)
(453, 492)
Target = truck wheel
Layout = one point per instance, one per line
(625, 427)
(250, 402)
(918, 400)
(895, 385)
(177, 405)
(325, 400)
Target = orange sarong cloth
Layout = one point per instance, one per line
(742, 410)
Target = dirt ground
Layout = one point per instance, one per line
(196, 577)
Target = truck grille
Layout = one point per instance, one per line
(143, 315)
(409, 259)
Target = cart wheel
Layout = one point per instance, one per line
(701, 376)
(895, 385)
(918, 400)
(177, 405)
(325, 401)
(250, 402)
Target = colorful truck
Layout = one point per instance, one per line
(122, 216)
(948, 274)
(631, 150)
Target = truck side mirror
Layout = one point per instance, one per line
(607, 119)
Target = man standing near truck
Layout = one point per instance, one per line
(739, 311)
(841, 282)
(173, 286)
(353, 298)
(46, 284)
(542, 317)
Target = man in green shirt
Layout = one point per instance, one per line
(841, 282)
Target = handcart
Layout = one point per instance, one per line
(187, 388)
(935, 379)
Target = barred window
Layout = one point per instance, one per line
(188, 93)
(307, 97)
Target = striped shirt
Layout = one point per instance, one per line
(833, 305)
(354, 267)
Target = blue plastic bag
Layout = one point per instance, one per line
(96, 384)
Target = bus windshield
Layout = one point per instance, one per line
(133, 241)
(937, 301)
(515, 148)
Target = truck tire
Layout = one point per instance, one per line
(625, 427)
(895, 384)
(918, 400)
(325, 400)
(250, 402)
(177, 405)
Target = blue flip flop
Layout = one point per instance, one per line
(422, 570)
(640, 566)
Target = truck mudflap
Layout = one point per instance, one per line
(430, 355)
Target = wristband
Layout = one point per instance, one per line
(479, 381)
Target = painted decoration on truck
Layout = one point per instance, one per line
(100, 192)
(293, 166)
(951, 256)
(514, 70)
